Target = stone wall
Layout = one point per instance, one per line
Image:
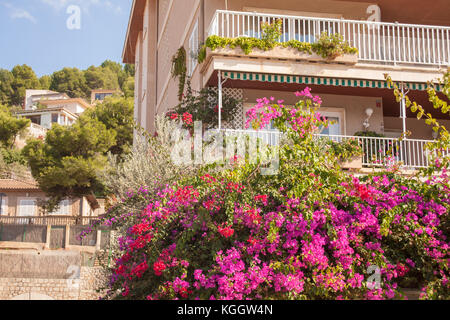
(49, 276)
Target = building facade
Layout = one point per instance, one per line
(24, 199)
(44, 108)
(405, 39)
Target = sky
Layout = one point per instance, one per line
(49, 35)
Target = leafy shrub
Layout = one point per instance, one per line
(309, 232)
(202, 106)
(346, 149)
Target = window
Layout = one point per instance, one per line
(55, 117)
(333, 129)
(337, 116)
(193, 50)
(63, 209)
(27, 208)
(4, 207)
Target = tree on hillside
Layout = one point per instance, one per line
(24, 78)
(10, 127)
(66, 164)
(70, 81)
(101, 78)
(128, 87)
(6, 91)
(45, 82)
(130, 69)
(116, 113)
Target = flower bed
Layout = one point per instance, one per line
(309, 232)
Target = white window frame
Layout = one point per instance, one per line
(193, 49)
(4, 206)
(19, 206)
(334, 112)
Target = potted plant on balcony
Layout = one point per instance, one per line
(375, 149)
(329, 47)
(348, 152)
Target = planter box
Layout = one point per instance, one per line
(282, 53)
(354, 163)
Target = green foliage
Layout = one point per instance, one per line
(368, 134)
(328, 47)
(116, 113)
(179, 69)
(128, 87)
(12, 164)
(332, 46)
(24, 78)
(148, 164)
(203, 106)
(271, 33)
(6, 90)
(66, 164)
(439, 157)
(70, 81)
(103, 77)
(346, 149)
(45, 82)
(10, 127)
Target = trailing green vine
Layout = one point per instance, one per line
(327, 46)
(179, 69)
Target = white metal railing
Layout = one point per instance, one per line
(377, 151)
(270, 137)
(380, 151)
(378, 42)
(37, 130)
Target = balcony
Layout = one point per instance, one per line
(377, 152)
(37, 130)
(378, 42)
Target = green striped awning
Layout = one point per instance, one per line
(278, 78)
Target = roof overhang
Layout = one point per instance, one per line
(79, 101)
(135, 25)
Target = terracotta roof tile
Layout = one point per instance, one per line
(11, 184)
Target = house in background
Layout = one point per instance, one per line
(403, 38)
(22, 199)
(99, 95)
(45, 107)
(33, 97)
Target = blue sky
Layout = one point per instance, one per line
(35, 32)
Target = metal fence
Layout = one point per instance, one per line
(380, 151)
(376, 151)
(379, 42)
(48, 220)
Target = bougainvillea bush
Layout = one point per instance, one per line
(309, 232)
